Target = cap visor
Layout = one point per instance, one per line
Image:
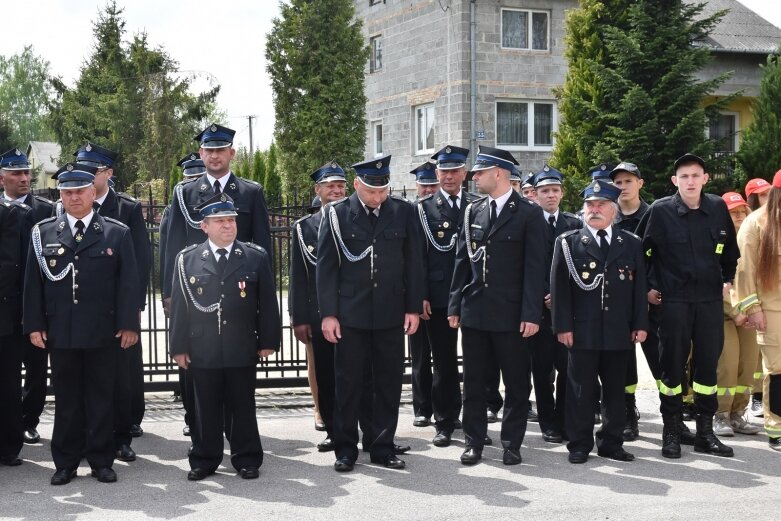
(450, 166)
(330, 178)
(375, 182)
(216, 144)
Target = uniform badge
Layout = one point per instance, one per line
(109, 252)
(631, 275)
(621, 276)
(88, 148)
(202, 188)
(585, 240)
(199, 290)
(238, 252)
(61, 226)
(96, 226)
(223, 198)
(592, 265)
(192, 280)
(213, 128)
(439, 201)
(310, 248)
(60, 251)
(441, 235)
(69, 168)
(619, 239)
(204, 254)
(193, 157)
(378, 165)
(17, 152)
(446, 224)
(53, 262)
(448, 150)
(585, 274)
(597, 188)
(242, 285)
(232, 186)
(474, 245)
(511, 204)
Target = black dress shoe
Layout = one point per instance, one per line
(136, 431)
(390, 462)
(198, 474)
(105, 475)
(532, 416)
(552, 436)
(344, 464)
(63, 476)
(31, 436)
(511, 457)
(491, 416)
(578, 457)
(618, 455)
(597, 418)
(249, 473)
(442, 439)
(319, 426)
(11, 461)
(488, 441)
(401, 449)
(421, 421)
(457, 424)
(186, 430)
(471, 455)
(125, 453)
(327, 445)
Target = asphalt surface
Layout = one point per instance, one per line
(297, 482)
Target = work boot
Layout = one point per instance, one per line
(741, 425)
(756, 405)
(722, 426)
(631, 428)
(671, 436)
(706, 441)
(687, 436)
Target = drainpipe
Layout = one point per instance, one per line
(473, 79)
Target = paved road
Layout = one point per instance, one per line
(298, 483)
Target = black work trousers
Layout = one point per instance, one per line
(548, 355)
(36, 364)
(11, 427)
(422, 379)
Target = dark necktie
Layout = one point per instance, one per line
(372, 216)
(217, 187)
(454, 209)
(492, 217)
(79, 230)
(552, 226)
(96, 206)
(222, 261)
(603, 244)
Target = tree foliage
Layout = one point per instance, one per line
(760, 147)
(316, 59)
(631, 91)
(129, 98)
(25, 93)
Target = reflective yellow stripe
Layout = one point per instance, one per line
(674, 391)
(703, 389)
(773, 432)
(725, 391)
(630, 389)
(648, 252)
(757, 375)
(743, 389)
(747, 302)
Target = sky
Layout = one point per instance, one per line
(222, 44)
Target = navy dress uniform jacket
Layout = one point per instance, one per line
(42, 208)
(600, 322)
(438, 265)
(302, 294)
(348, 290)
(252, 221)
(248, 324)
(107, 280)
(13, 251)
(513, 288)
(128, 211)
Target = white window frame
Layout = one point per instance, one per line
(422, 151)
(377, 152)
(736, 137)
(373, 56)
(529, 21)
(531, 147)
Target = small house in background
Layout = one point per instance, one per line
(44, 158)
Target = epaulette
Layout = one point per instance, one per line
(123, 195)
(44, 200)
(302, 219)
(20, 205)
(114, 221)
(255, 246)
(248, 181)
(48, 219)
(6, 204)
(340, 201)
(568, 233)
(189, 248)
(400, 198)
(425, 198)
(568, 214)
(632, 234)
(187, 180)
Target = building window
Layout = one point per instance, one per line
(375, 61)
(724, 131)
(525, 29)
(377, 138)
(424, 129)
(526, 125)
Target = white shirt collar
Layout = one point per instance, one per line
(449, 200)
(19, 200)
(87, 219)
(223, 180)
(100, 200)
(594, 231)
(554, 214)
(500, 201)
(214, 249)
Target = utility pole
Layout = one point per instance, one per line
(250, 118)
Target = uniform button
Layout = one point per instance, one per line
(487, 256)
(488, 242)
(375, 256)
(486, 284)
(75, 257)
(607, 282)
(224, 322)
(375, 284)
(222, 283)
(607, 296)
(374, 241)
(487, 270)
(607, 309)
(222, 296)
